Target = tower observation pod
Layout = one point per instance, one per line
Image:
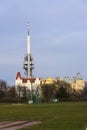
(28, 60)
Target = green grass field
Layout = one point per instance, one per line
(60, 116)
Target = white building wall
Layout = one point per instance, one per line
(28, 84)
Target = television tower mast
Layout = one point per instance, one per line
(28, 60)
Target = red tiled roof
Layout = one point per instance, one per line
(18, 75)
(32, 80)
(24, 80)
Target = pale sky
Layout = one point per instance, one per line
(58, 37)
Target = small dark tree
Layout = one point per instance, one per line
(48, 91)
(3, 85)
(10, 92)
(2, 94)
(62, 93)
(19, 93)
(23, 93)
(63, 90)
(3, 88)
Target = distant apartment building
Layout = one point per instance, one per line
(77, 83)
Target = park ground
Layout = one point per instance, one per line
(55, 116)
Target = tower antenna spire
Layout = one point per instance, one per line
(28, 27)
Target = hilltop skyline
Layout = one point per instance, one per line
(58, 31)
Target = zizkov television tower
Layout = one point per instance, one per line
(28, 60)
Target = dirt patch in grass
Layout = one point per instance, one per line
(16, 125)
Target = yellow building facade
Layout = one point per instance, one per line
(47, 80)
(77, 83)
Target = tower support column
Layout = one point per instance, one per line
(28, 60)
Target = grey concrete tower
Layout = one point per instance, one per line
(28, 60)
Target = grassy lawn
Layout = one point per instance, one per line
(60, 116)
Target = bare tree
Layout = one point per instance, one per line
(3, 88)
(48, 91)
